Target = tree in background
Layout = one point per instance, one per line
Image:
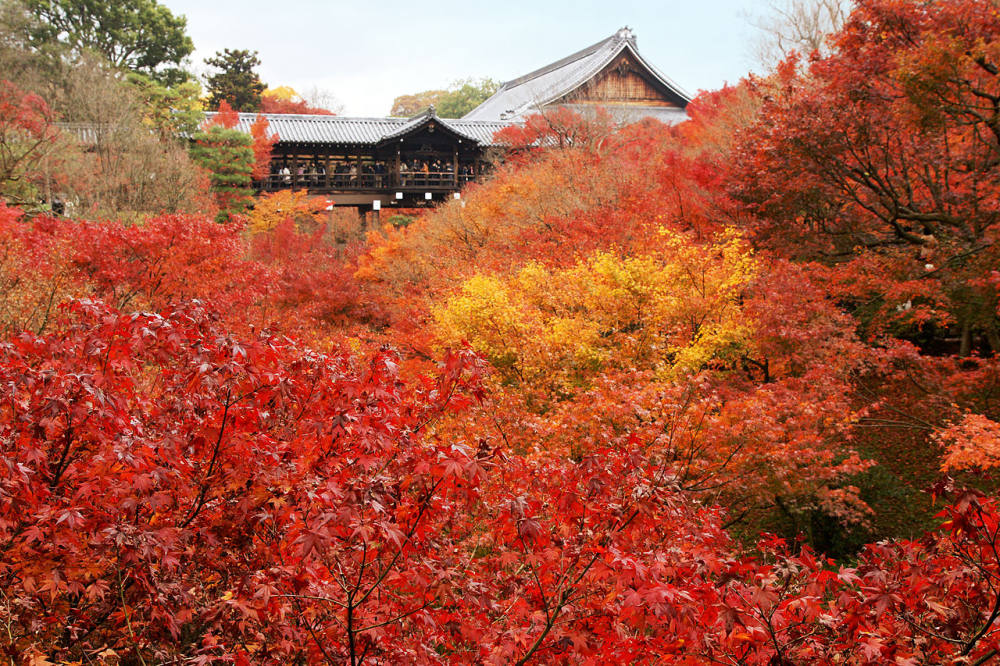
(797, 25)
(138, 35)
(285, 99)
(234, 158)
(109, 163)
(261, 138)
(910, 174)
(321, 98)
(26, 135)
(117, 166)
(36, 66)
(174, 112)
(37, 61)
(463, 96)
(410, 105)
(237, 84)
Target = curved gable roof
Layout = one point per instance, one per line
(419, 122)
(556, 80)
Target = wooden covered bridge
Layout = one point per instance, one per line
(403, 162)
(419, 161)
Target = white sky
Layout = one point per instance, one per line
(368, 52)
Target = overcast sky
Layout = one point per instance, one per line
(367, 52)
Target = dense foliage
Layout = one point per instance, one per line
(723, 392)
(27, 134)
(118, 151)
(142, 36)
(237, 82)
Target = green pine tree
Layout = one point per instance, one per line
(237, 83)
(228, 156)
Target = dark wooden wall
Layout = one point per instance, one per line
(621, 82)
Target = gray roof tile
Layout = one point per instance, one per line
(297, 128)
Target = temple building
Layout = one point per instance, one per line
(384, 162)
(610, 74)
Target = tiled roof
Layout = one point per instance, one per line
(296, 128)
(530, 92)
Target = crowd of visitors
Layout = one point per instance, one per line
(367, 175)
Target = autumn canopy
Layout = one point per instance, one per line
(720, 392)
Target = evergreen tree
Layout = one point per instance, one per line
(228, 156)
(237, 83)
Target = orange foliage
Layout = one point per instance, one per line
(263, 142)
(972, 443)
(269, 104)
(226, 117)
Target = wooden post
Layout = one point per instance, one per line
(326, 179)
(396, 181)
(454, 168)
(295, 168)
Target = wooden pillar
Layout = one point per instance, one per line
(357, 184)
(326, 167)
(295, 168)
(396, 181)
(454, 168)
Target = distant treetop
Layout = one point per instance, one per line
(138, 35)
(285, 99)
(463, 96)
(238, 83)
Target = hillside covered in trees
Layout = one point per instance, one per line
(723, 392)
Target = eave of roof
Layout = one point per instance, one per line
(342, 130)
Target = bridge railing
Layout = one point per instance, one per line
(346, 181)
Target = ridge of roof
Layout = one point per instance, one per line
(411, 123)
(316, 117)
(573, 57)
(319, 117)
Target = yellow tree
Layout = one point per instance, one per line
(670, 311)
(271, 209)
